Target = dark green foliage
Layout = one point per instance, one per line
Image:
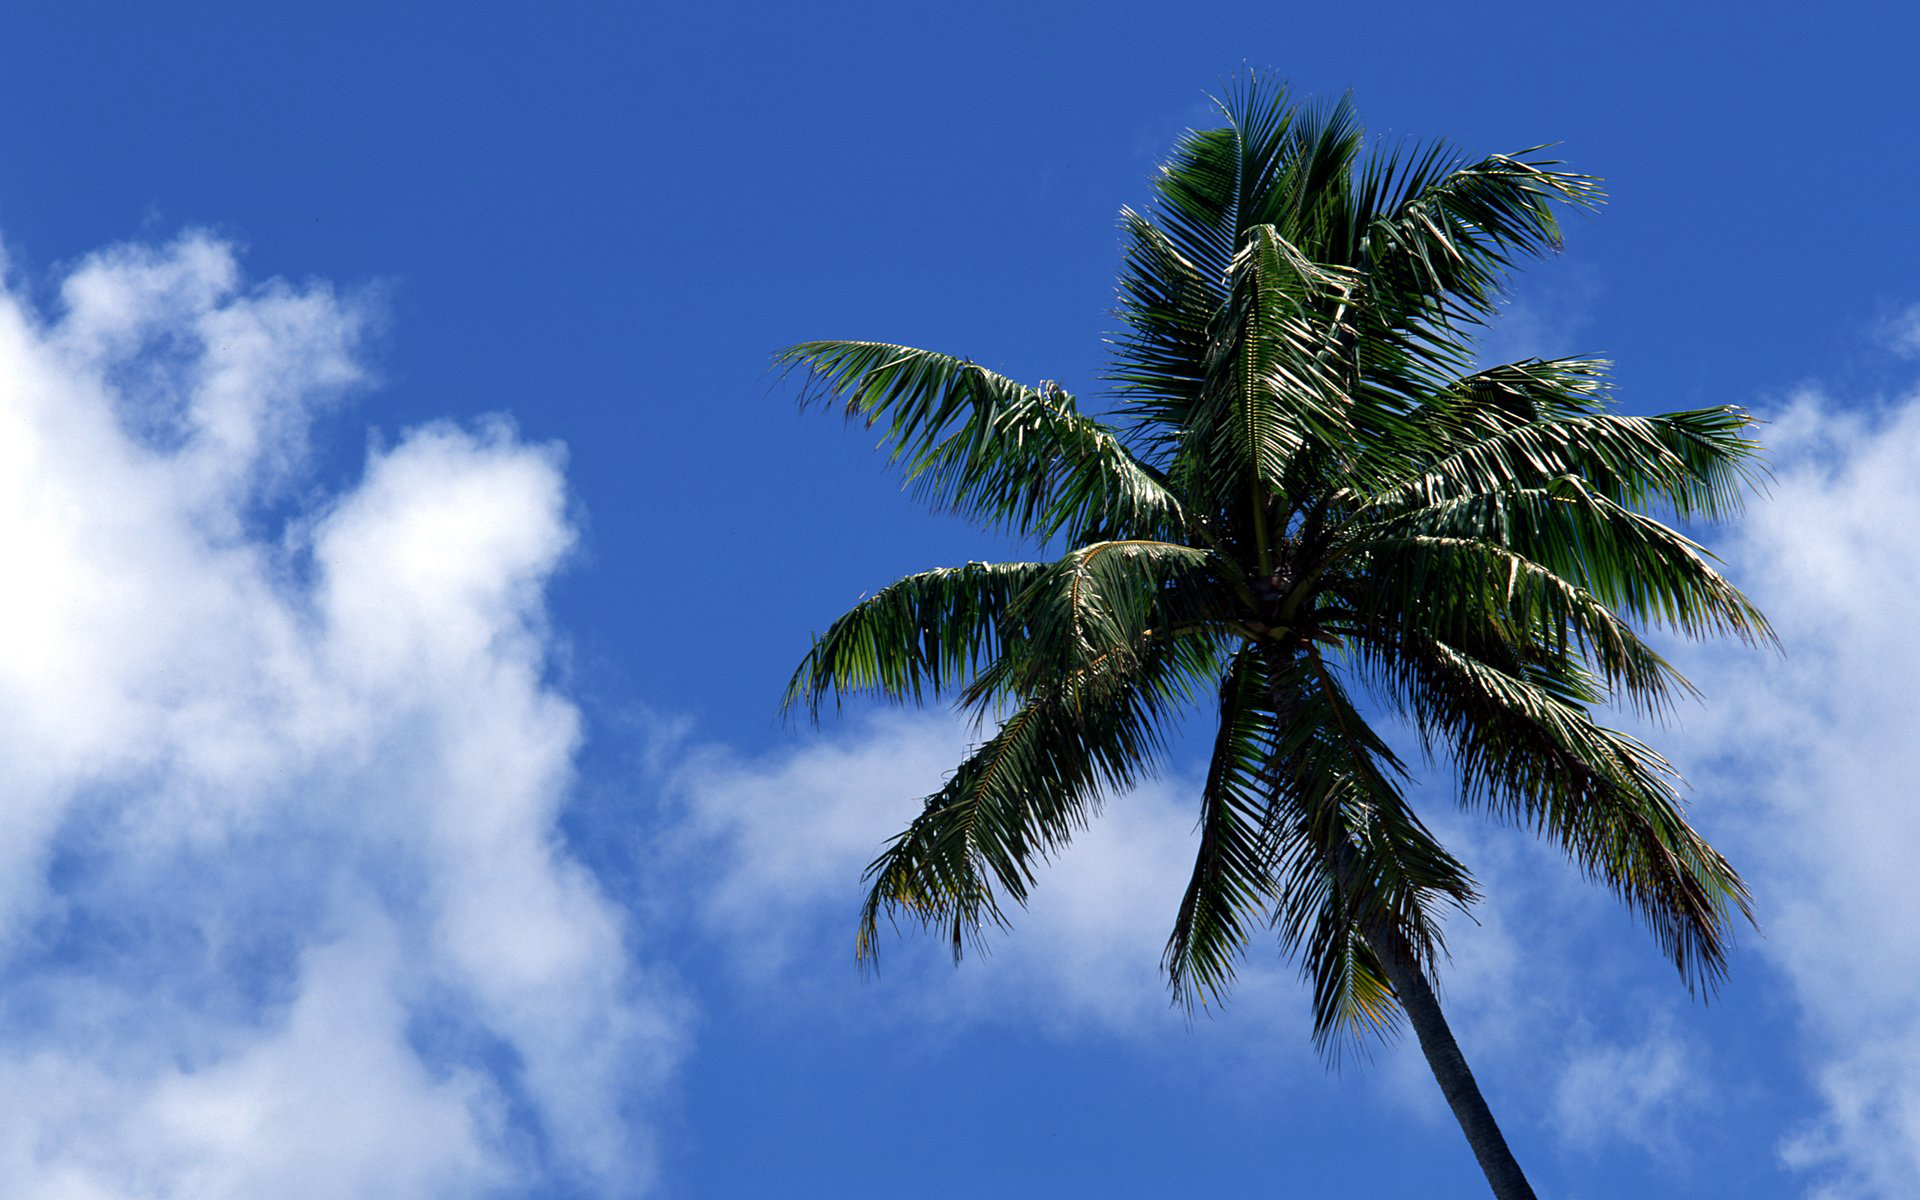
(1307, 490)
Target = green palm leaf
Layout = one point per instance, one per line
(919, 638)
(1627, 560)
(1525, 749)
(1233, 881)
(1359, 865)
(1018, 798)
(983, 445)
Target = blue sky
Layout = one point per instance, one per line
(408, 548)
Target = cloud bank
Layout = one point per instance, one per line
(284, 910)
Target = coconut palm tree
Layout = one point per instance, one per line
(1311, 510)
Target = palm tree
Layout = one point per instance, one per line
(1309, 495)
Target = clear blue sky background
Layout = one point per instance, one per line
(632, 974)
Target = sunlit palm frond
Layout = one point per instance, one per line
(1527, 424)
(1454, 229)
(1161, 361)
(1098, 610)
(986, 446)
(1019, 797)
(1469, 592)
(1630, 562)
(1280, 355)
(1252, 171)
(917, 639)
(1357, 862)
(1527, 749)
(1233, 883)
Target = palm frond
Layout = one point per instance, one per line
(1232, 883)
(1097, 611)
(1271, 157)
(1161, 362)
(1526, 749)
(1526, 424)
(1355, 862)
(1472, 593)
(1454, 231)
(919, 638)
(1018, 798)
(1287, 388)
(1630, 562)
(985, 446)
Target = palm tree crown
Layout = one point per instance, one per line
(1309, 494)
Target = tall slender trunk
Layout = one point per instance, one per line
(1450, 1069)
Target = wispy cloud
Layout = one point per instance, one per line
(1630, 1090)
(283, 904)
(1900, 333)
(1546, 318)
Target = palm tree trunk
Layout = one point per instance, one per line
(1450, 1069)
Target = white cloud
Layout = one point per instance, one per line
(1628, 1091)
(284, 908)
(1809, 761)
(1900, 333)
(325, 1099)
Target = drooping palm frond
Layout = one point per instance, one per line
(919, 638)
(1468, 592)
(1529, 423)
(1097, 611)
(985, 632)
(1021, 795)
(985, 446)
(1629, 561)
(1233, 884)
(1356, 863)
(1437, 237)
(1455, 229)
(1526, 748)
